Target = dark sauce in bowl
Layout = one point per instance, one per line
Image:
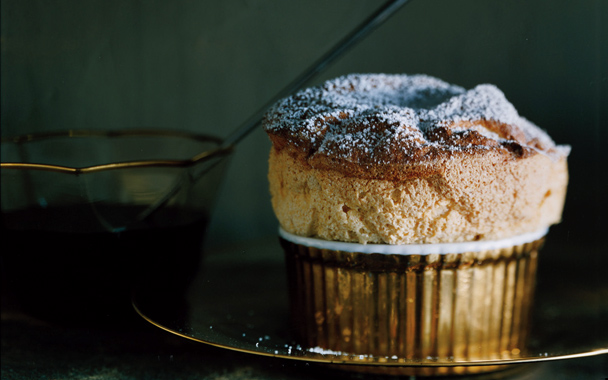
(88, 277)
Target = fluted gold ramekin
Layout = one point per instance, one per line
(460, 302)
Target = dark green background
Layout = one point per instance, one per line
(205, 66)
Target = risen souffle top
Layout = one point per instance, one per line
(365, 124)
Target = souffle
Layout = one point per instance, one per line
(411, 212)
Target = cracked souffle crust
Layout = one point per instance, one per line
(402, 159)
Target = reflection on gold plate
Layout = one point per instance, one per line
(238, 301)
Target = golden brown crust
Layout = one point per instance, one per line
(387, 126)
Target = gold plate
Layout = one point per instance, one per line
(238, 301)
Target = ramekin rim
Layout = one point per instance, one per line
(415, 249)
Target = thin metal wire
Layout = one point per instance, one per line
(375, 20)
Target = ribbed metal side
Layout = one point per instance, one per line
(470, 306)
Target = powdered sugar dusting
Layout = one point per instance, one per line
(324, 351)
(484, 102)
(374, 118)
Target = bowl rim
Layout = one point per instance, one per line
(219, 151)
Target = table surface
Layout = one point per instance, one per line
(36, 349)
(32, 349)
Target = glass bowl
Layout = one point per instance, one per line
(89, 215)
